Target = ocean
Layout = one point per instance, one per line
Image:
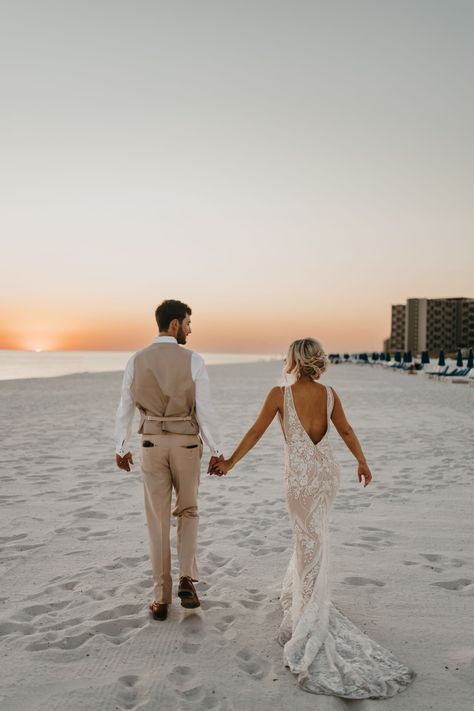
(47, 364)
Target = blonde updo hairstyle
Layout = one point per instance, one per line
(306, 357)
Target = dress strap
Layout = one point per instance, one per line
(330, 403)
(283, 416)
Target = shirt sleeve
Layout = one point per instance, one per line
(205, 412)
(125, 412)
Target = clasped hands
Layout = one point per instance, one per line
(219, 466)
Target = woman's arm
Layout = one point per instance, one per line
(350, 439)
(270, 408)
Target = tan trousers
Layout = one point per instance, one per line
(174, 462)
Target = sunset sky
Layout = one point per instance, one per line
(286, 168)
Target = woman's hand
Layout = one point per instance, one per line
(364, 471)
(222, 467)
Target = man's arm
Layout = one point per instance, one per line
(205, 412)
(124, 419)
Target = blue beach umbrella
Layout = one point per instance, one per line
(459, 361)
(387, 357)
(425, 357)
(382, 356)
(441, 360)
(346, 356)
(398, 357)
(375, 356)
(470, 359)
(407, 357)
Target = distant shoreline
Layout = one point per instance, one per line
(27, 365)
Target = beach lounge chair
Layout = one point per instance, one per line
(462, 376)
(439, 370)
(450, 373)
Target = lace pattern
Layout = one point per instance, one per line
(324, 648)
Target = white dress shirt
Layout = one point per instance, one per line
(205, 413)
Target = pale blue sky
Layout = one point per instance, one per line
(310, 160)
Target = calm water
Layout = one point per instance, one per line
(47, 364)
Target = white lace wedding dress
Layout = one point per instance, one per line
(327, 651)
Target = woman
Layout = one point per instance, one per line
(329, 653)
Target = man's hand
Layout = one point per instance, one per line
(212, 463)
(124, 462)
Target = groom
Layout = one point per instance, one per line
(169, 385)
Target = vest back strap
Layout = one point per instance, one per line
(167, 419)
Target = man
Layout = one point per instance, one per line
(169, 385)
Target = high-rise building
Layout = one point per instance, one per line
(450, 324)
(415, 325)
(432, 325)
(397, 333)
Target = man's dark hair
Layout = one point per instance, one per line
(169, 310)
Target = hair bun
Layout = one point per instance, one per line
(306, 357)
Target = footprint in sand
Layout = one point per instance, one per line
(193, 634)
(71, 530)
(51, 609)
(211, 604)
(254, 598)
(233, 569)
(217, 561)
(225, 623)
(186, 684)
(458, 584)
(127, 694)
(372, 538)
(53, 589)
(119, 611)
(250, 664)
(367, 546)
(113, 625)
(95, 534)
(442, 561)
(15, 628)
(48, 641)
(90, 513)
(9, 539)
(118, 630)
(356, 580)
(224, 521)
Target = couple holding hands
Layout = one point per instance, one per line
(169, 385)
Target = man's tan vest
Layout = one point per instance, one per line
(163, 389)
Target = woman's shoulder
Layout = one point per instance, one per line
(276, 394)
(276, 391)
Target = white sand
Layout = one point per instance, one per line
(75, 632)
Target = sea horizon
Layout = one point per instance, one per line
(16, 364)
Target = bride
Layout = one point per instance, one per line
(324, 648)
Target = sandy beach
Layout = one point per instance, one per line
(75, 631)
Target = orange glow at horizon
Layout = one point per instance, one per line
(214, 332)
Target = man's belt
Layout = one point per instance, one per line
(167, 419)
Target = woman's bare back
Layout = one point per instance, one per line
(310, 400)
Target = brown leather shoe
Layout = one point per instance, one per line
(159, 610)
(187, 593)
